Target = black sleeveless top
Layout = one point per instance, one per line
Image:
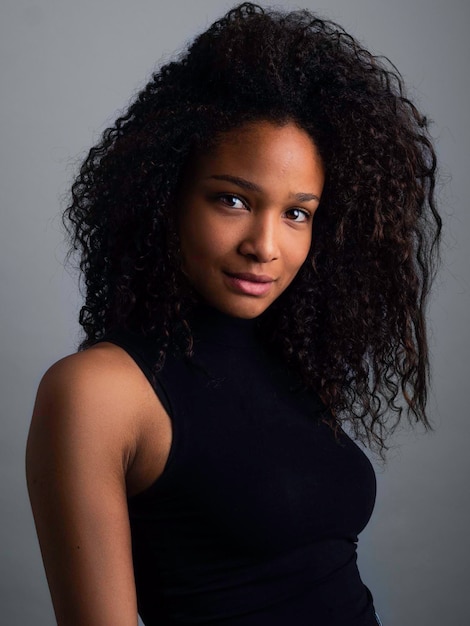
(254, 521)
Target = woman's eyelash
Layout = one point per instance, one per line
(301, 212)
(230, 199)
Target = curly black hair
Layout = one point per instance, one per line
(352, 321)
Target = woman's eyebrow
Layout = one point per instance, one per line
(305, 197)
(250, 186)
(236, 180)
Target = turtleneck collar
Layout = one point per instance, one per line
(212, 326)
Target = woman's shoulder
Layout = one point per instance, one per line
(104, 370)
(98, 404)
(97, 393)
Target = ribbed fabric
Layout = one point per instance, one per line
(254, 521)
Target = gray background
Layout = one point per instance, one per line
(67, 68)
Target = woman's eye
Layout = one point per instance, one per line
(298, 215)
(231, 201)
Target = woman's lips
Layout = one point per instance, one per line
(250, 284)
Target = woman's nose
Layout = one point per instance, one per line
(261, 240)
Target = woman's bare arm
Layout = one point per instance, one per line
(82, 440)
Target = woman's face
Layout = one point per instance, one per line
(246, 212)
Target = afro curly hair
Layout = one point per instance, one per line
(352, 322)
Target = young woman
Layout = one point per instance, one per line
(256, 236)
